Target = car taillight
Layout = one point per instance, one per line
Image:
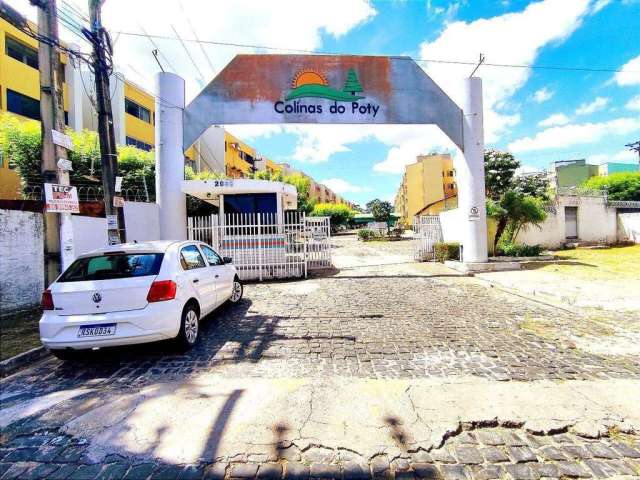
(161, 291)
(47, 300)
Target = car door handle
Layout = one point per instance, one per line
(217, 276)
(195, 280)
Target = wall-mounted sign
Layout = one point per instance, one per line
(332, 89)
(474, 214)
(65, 165)
(112, 222)
(61, 198)
(61, 139)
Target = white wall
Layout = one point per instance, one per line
(629, 227)
(21, 259)
(89, 233)
(451, 224)
(596, 223)
(141, 221)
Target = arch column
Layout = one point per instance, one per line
(470, 174)
(169, 91)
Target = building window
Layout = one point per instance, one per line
(21, 52)
(23, 105)
(138, 111)
(134, 142)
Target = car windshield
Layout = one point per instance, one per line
(106, 267)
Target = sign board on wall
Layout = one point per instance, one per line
(333, 89)
(61, 139)
(61, 198)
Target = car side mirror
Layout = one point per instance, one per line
(227, 259)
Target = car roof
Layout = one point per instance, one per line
(152, 246)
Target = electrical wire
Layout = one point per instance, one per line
(420, 60)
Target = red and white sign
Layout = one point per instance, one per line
(61, 198)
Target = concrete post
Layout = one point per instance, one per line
(170, 156)
(470, 175)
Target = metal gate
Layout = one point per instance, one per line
(426, 233)
(263, 248)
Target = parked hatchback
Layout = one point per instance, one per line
(136, 293)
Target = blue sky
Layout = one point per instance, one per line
(540, 115)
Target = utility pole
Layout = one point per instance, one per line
(102, 68)
(52, 118)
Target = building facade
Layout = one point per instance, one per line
(425, 183)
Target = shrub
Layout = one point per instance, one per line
(446, 251)
(619, 186)
(396, 232)
(365, 234)
(340, 213)
(510, 249)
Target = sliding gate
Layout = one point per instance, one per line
(426, 233)
(263, 248)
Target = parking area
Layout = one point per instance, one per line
(379, 325)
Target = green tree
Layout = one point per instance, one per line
(381, 211)
(302, 184)
(352, 84)
(619, 186)
(533, 184)
(499, 171)
(340, 213)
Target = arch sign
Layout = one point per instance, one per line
(320, 89)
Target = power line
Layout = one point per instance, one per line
(423, 60)
(195, 65)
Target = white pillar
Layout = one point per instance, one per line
(170, 156)
(470, 176)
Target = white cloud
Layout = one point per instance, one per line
(587, 108)
(340, 186)
(621, 156)
(542, 95)
(629, 74)
(634, 103)
(275, 24)
(539, 25)
(515, 38)
(569, 135)
(554, 120)
(599, 5)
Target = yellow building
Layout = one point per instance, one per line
(19, 75)
(426, 183)
(239, 158)
(139, 108)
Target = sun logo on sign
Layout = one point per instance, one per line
(311, 83)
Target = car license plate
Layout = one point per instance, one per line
(98, 330)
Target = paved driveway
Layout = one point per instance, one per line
(379, 325)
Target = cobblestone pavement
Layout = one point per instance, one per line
(471, 453)
(367, 321)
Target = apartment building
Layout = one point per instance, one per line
(428, 182)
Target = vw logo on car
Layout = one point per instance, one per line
(97, 298)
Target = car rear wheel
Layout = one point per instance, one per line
(189, 327)
(237, 291)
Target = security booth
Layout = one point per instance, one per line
(244, 199)
(256, 224)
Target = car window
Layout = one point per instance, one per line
(190, 258)
(212, 257)
(106, 267)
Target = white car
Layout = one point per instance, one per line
(136, 293)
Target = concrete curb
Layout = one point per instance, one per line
(11, 365)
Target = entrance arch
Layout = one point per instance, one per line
(321, 89)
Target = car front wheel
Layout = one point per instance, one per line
(237, 291)
(189, 327)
